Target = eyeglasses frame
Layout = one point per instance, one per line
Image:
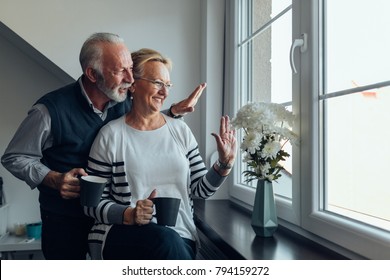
(159, 84)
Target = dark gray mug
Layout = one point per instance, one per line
(167, 209)
(91, 190)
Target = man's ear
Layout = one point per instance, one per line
(91, 74)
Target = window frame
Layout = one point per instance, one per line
(304, 213)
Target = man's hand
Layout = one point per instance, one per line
(66, 183)
(188, 105)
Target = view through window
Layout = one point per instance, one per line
(355, 148)
(264, 64)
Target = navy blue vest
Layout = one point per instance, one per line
(74, 126)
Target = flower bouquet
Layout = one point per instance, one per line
(267, 127)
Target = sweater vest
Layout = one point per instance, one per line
(74, 126)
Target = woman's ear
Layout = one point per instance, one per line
(132, 88)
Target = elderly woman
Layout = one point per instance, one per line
(146, 154)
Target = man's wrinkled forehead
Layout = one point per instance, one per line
(117, 54)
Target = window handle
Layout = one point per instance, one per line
(302, 43)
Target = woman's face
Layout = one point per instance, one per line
(148, 94)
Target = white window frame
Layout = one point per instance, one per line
(303, 213)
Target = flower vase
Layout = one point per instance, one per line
(264, 218)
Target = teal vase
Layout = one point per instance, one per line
(264, 217)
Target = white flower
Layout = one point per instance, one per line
(250, 142)
(264, 169)
(247, 158)
(271, 149)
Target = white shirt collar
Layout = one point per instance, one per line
(101, 114)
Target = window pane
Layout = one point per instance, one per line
(357, 156)
(271, 68)
(265, 73)
(264, 10)
(357, 44)
(355, 148)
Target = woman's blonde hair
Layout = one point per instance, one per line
(145, 55)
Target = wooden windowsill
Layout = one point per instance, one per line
(228, 227)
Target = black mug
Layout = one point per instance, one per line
(167, 209)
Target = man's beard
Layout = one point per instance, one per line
(113, 94)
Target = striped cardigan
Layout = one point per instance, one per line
(121, 154)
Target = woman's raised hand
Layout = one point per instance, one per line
(226, 144)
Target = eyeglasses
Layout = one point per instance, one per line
(158, 84)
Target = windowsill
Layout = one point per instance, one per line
(228, 227)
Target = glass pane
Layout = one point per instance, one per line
(265, 73)
(357, 44)
(357, 153)
(271, 68)
(264, 10)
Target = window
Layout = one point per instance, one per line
(335, 185)
(354, 145)
(263, 47)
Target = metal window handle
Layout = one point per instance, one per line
(302, 43)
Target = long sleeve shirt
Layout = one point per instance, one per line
(136, 162)
(23, 155)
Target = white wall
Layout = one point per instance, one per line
(57, 28)
(22, 82)
(188, 31)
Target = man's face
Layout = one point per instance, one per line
(117, 76)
